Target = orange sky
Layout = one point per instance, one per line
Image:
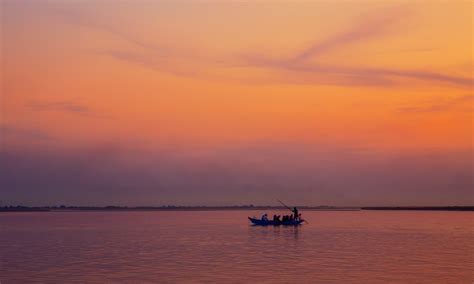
(191, 78)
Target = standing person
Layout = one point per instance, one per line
(295, 212)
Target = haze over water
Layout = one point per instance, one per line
(220, 246)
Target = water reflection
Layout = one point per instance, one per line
(284, 232)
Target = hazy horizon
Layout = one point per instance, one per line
(236, 206)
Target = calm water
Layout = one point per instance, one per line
(220, 246)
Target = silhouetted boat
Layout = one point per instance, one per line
(260, 222)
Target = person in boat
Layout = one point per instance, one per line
(295, 213)
(265, 217)
(278, 219)
(292, 218)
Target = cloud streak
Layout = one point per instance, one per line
(370, 27)
(299, 68)
(444, 105)
(66, 107)
(83, 20)
(150, 61)
(337, 75)
(9, 131)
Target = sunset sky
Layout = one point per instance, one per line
(345, 103)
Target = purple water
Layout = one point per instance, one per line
(220, 246)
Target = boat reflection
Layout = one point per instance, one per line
(271, 232)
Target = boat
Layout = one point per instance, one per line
(260, 222)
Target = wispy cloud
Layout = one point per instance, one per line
(150, 61)
(9, 131)
(146, 53)
(442, 105)
(338, 75)
(64, 106)
(369, 27)
(84, 20)
(299, 68)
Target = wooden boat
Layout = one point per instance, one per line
(260, 222)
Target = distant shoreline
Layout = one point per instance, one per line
(228, 208)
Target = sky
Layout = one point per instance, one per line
(341, 103)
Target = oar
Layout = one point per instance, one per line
(289, 209)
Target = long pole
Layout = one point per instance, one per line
(284, 205)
